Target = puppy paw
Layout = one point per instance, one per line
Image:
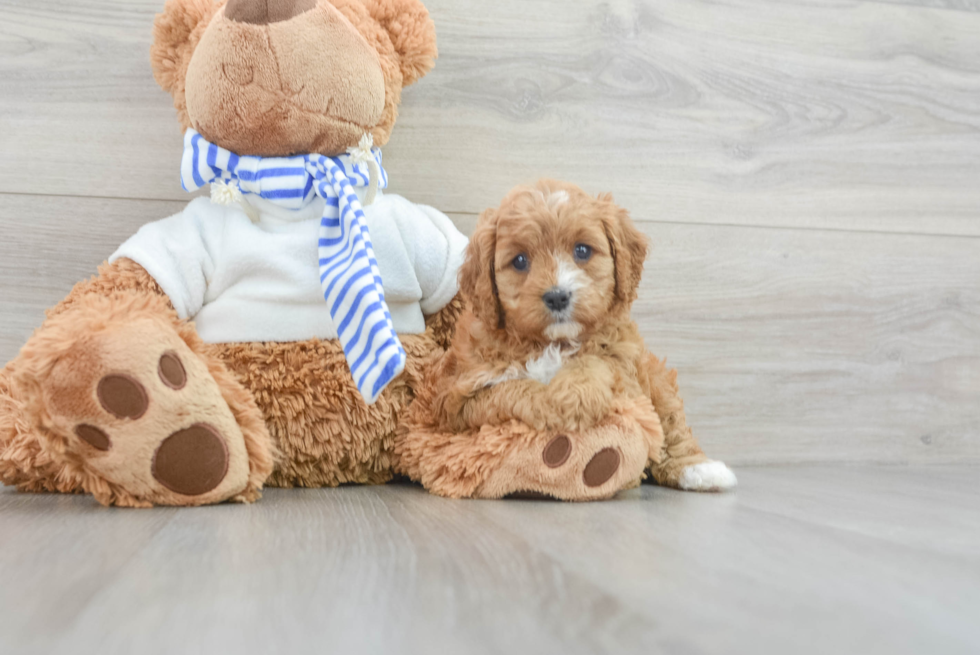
(707, 476)
(578, 406)
(146, 419)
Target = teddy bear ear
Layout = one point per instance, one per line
(411, 31)
(176, 32)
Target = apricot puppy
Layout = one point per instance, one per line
(547, 345)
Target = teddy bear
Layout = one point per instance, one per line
(299, 326)
(270, 334)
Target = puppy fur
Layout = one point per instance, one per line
(555, 368)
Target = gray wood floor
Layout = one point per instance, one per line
(809, 173)
(798, 560)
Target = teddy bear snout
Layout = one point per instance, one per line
(264, 12)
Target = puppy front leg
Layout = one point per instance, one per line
(581, 394)
(464, 407)
(577, 398)
(683, 465)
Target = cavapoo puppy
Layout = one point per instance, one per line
(547, 386)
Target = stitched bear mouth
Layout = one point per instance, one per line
(282, 96)
(270, 114)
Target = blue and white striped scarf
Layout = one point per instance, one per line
(349, 274)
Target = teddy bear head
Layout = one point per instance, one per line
(282, 77)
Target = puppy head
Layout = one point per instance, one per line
(552, 263)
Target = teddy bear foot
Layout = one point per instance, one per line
(149, 417)
(591, 465)
(515, 459)
(141, 418)
(167, 439)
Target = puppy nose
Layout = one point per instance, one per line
(264, 12)
(557, 299)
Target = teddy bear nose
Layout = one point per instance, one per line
(264, 12)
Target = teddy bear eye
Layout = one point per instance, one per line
(582, 252)
(521, 262)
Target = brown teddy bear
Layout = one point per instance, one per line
(322, 307)
(118, 394)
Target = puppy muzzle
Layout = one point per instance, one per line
(560, 302)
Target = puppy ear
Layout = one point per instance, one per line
(176, 33)
(628, 247)
(411, 31)
(477, 277)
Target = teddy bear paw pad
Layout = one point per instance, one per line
(192, 461)
(122, 396)
(145, 414)
(591, 465)
(557, 451)
(601, 468)
(93, 436)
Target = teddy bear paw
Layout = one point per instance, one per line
(591, 465)
(144, 414)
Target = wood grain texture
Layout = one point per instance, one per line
(796, 345)
(793, 345)
(50, 243)
(951, 5)
(800, 560)
(847, 114)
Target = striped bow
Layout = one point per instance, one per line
(349, 274)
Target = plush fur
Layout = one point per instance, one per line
(301, 417)
(326, 434)
(48, 390)
(500, 385)
(312, 83)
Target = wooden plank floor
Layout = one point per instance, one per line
(798, 560)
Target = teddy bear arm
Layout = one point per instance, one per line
(123, 275)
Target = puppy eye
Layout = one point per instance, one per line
(521, 262)
(582, 252)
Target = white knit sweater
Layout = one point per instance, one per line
(243, 281)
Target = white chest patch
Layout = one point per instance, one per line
(546, 367)
(543, 368)
(513, 372)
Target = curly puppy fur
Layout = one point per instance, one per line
(493, 372)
